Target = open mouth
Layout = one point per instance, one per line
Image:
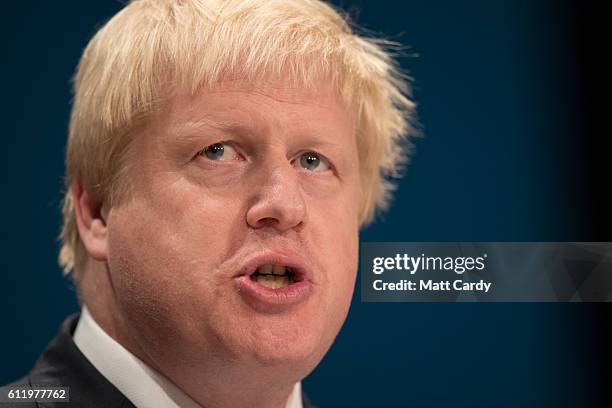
(274, 281)
(274, 276)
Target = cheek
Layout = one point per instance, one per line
(338, 245)
(165, 247)
(340, 252)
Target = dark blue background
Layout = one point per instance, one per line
(498, 85)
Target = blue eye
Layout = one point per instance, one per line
(220, 151)
(313, 161)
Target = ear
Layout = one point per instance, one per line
(90, 221)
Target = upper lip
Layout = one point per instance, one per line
(289, 259)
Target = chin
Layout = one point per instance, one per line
(297, 358)
(278, 342)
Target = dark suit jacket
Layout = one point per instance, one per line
(63, 365)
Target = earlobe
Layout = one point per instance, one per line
(90, 221)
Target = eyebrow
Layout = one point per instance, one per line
(187, 129)
(192, 131)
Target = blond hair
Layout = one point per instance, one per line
(151, 45)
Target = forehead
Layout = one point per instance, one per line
(260, 105)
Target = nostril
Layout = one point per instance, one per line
(275, 214)
(267, 222)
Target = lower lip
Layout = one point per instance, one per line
(271, 300)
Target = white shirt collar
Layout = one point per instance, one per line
(142, 385)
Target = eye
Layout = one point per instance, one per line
(313, 162)
(221, 151)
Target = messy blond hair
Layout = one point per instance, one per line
(153, 45)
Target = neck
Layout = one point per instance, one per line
(247, 390)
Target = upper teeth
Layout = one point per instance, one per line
(272, 269)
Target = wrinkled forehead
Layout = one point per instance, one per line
(236, 99)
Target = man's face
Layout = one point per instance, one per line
(223, 185)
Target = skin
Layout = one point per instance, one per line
(162, 267)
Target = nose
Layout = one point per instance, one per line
(278, 202)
